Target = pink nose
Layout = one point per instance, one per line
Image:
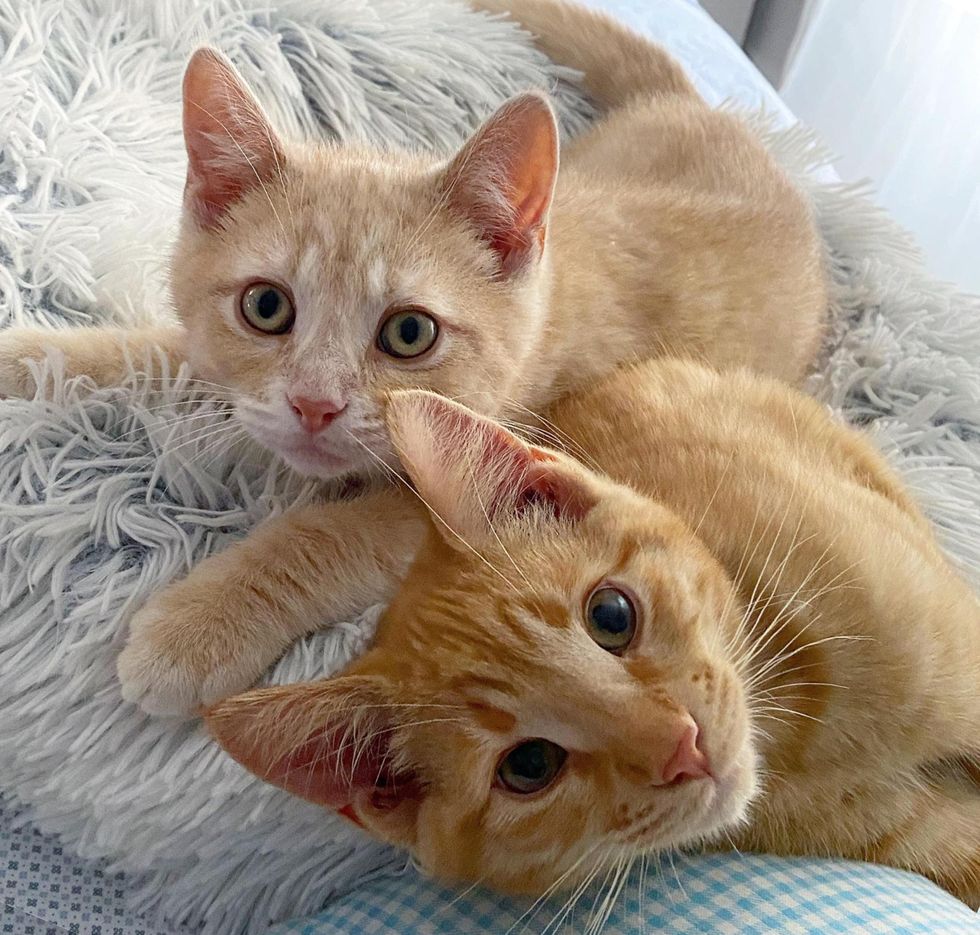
(688, 761)
(315, 414)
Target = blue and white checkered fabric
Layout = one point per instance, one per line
(728, 894)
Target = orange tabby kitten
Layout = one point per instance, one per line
(312, 280)
(735, 627)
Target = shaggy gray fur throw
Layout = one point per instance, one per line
(106, 495)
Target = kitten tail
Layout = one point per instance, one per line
(618, 64)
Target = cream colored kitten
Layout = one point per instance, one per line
(310, 281)
(736, 630)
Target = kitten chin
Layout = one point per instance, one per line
(735, 791)
(319, 464)
(325, 464)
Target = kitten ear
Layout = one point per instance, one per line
(329, 742)
(231, 147)
(503, 179)
(471, 471)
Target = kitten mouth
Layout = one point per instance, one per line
(732, 792)
(308, 457)
(723, 798)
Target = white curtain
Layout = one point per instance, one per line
(893, 86)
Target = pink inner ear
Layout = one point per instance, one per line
(528, 476)
(231, 148)
(503, 180)
(211, 195)
(331, 770)
(544, 485)
(471, 471)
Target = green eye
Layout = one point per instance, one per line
(531, 766)
(611, 619)
(408, 333)
(267, 308)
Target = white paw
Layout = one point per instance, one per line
(16, 381)
(169, 666)
(155, 683)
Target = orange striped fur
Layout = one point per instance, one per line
(791, 597)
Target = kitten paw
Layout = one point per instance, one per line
(177, 662)
(157, 684)
(17, 346)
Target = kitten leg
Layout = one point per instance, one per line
(941, 839)
(99, 353)
(215, 632)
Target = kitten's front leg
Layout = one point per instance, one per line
(215, 632)
(99, 353)
(940, 834)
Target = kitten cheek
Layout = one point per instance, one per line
(203, 355)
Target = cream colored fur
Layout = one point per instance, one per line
(670, 230)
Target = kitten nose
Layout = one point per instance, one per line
(315, 414)
(688, 761)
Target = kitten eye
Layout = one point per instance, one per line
(267, 308)
(611, 619)
(531, 766)
(408, 333)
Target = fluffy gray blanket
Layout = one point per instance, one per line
(107, 495)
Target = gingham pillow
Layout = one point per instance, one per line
(728, 894)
